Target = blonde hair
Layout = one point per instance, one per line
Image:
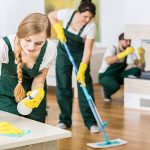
(32, 24)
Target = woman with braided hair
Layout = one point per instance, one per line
(25, 59)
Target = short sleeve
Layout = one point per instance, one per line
(50, 55)
(91, 31)
(111, 51)
(62, 14)
(3, 52)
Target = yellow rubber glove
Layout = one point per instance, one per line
(60, 32)
(6, 128)
(81, 73)
(34, 101)
(141, 53)
(126, 52)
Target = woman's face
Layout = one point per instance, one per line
(33, 44)
(85, 17)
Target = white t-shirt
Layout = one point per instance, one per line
(111, 51)
(48, 59)
(89, 31)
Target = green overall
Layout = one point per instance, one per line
(64, 79)
(9, 80)
(114, 76)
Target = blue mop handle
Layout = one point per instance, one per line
(70, 57)
(96, 115)
(89, 98)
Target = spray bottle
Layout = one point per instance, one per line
(22, 109)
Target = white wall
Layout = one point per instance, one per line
(137, 21)
(112, 21)
(13, 11)
(137, 12)
(114, 15)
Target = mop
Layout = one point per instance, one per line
(101, 124)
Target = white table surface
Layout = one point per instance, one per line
(40, 132)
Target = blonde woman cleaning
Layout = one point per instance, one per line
(79, 32)
(25, 59)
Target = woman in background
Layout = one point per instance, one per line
(78, 32)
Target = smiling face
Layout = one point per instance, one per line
(33, 44)
(85, 17)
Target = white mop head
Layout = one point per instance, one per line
(115, 142)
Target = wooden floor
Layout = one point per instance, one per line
(130, 125)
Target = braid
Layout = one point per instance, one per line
(19, 92)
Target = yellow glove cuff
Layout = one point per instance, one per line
(141, 51)
(83, 67)
(60, 32)
(58, 27)
(126, 52)
(121, 55)
(36, 100)
(39, 90)
(40, 93)
(81, 73)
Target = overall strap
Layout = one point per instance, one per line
(41, 55)
(68, 24)
(81, 30)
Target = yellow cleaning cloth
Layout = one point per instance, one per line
(6, 128)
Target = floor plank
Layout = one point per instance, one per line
(128, 124)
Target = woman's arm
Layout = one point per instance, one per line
(39, 80)
(38, 86)
(58, 15)
(57, 26)
(53, 17)
(87, 50)
(85, 61)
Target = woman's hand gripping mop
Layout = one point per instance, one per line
(101, 124)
